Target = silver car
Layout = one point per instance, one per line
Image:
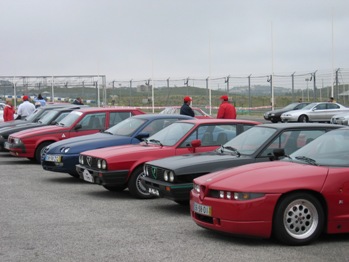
(314, 112)
(340, 119)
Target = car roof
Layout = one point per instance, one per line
(217, 121)
(162, 116)
(296, 125)
(109, 109)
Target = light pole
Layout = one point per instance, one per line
(307, 80)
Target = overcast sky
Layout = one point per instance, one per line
(142, 39)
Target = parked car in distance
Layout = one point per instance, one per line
(275, 115)
(35, 116)
(85, 121)
(173, 177)
(52, 117)
(2, 105)
(294, 200)
(63, 156)
(314, 112)
(341, 119)
(116, 168)
(199, 113)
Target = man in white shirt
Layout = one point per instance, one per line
(26, 108)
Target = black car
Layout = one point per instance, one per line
(172, 177)
(274, 116)
(48, 116)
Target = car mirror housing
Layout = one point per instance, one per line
(277, 153)
(196, 143)
(141, 136)
(77, 127)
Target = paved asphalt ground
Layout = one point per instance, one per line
(46, 216)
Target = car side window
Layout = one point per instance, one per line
(93, 121)
(156, 125)
(291, 141)
(332, 106)
(117, 117)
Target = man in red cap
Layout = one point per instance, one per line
(25, 109)
(186, 109)
(226, 110)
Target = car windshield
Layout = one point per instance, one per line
(251, 140)
(290, 106)
(126, 127)
(170, 135)
(310, 106)
(70, 119)
(47, 118)
(34, 115)
(330, 149)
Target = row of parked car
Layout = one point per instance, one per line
(310, 112)
(285, 180)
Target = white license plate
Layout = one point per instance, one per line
(53, 158)
(7, 145)
(202, 209)
(87, 176)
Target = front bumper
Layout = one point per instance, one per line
(102, 177)
(289, 118)
(17, 149)
(249, 218)
(175, 192)
(66, 164)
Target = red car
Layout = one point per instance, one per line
(295, 199)
(29, 143)
(119, 167)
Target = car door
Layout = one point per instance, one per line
(90, 123)
(332, 109)
(318, 113)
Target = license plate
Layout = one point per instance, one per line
(87, 176)
(202, 209)
(7, 145)
(53, 158)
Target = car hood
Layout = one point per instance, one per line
(123, 151)
(17, 128)
(201, 163)
(278, 177)
(88, 142)
(39, 131)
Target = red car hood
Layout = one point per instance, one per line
(39, 131)
(275, 177)
(122, 151)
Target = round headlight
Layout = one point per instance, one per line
(104, 164)
(166, 175)
(99, 163)
(171, 177)
(81, 159)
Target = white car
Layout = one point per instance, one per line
(314, 112)
(341, 119)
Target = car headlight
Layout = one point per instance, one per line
(65, 149)
(1, 137)
(272, 114)
(196, 188)
(171, 176)
(17, 140)
(245, 196)
(104, 164)
(81, 159)
(99, 163)
(166, 175)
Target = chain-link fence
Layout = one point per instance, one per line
(248, 93)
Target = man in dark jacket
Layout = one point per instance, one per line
(186, 109)
(226, 110)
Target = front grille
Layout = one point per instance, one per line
(155, 172)
(90, 161)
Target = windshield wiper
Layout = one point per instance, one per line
(230, 148)
(307, 159)
(154, 141)
(107, 132)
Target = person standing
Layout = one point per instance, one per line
(9, 111)
(39, 101)
(226, 110)
(186, 109)
(25, 109)
(78, 101)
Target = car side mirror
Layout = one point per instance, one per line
(141, 136)
(277, 153)
(53, 123)
(195, 143)
(77, 127)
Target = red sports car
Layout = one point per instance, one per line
(119, 167)
(294, 200)
(29, 143)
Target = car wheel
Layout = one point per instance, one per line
(298, 220)
(38, 151)
(115, 188)
(135, 185)
(303, 118)
(274, 121)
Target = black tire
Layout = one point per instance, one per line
(298, 220)
(135, 185)
(115, 188)
(39, 149)
(274, 121)
(303, 118)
